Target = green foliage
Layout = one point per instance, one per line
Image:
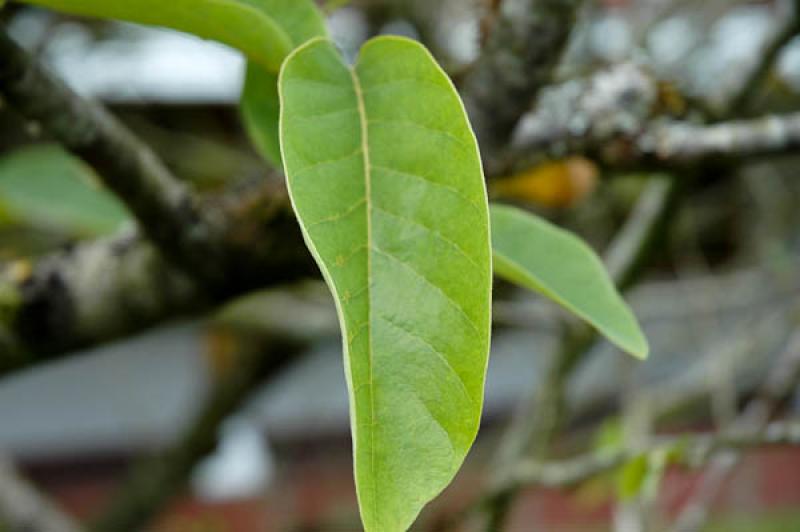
(535, 254)
(385, 177)
(301, 21)
(641, 476)
(44, 187)
(632, 476)
(609, 437)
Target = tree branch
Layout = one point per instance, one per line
(753, 424)
(104, 289)
(523, 49)
(743, 100)
(675, 144)
(187, 233)
(611, 117)
(698, 449)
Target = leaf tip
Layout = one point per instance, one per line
(639, 347)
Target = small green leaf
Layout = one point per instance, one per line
(535, 254)
(609, 437)
(385, 177)
(631, 477)
(301, 20)
(43, 186)
(237, 23)
(641, 476)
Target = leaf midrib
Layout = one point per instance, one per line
(362, 117)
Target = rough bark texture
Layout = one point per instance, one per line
(519, 57)
(616, 117)
(104, 289)
(169, 214)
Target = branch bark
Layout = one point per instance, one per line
(523, 49)
(101, 290)
(611, 117)
(170, 215)
(698, 449)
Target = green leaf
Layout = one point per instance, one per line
(43, 186)
(301, 20)
(243, 25)
(631, 477)
(535, 254)
(385, 177)
(610, 437)
(641, 476)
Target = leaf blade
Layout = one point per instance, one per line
(415, 333)
(537, 255)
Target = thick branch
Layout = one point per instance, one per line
(676, 143)
(101, 290)
(518, 59)
(170, 215)
(610, 117)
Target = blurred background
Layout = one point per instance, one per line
(718, 300)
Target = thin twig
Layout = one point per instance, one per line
(744, 99)
(696, 450)
(24, 509)
(752, 424)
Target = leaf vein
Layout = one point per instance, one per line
(431, 231)
(367, 195)
(433, 285)
(324, 162)
(339, 216)
(423, 127)
(431, 182)
(440, 355)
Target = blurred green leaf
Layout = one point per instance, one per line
(631, 477)
(43, 186)
(385, 177)
(536, 254)
(301, 20)
(610, 436)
